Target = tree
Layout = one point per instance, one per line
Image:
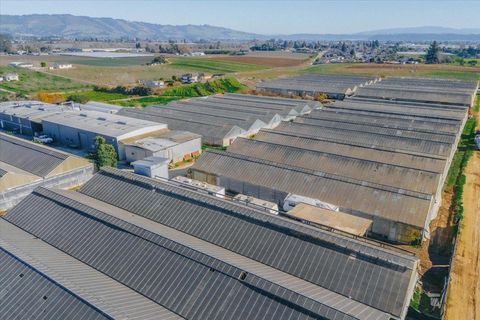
(43, 64)
(433, 54)
(472, 63)
(159, 60)
(104, 154)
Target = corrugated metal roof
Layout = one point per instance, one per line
(416, 146)
(385, 202)
(342, 165)
(273, 100)
(28, 294)
(413, 94)
(356, 127)
(184, 280)
(95, 288)
(207, 129)
(398, 109)
(28, 156)
(252, 268)
(400, 122)
(352, 149)
(317, 83)
(274, 244)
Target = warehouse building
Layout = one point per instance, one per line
(174, 145)
(79, 128)
(397, 152)
(221, 119)
(448, 92)
(25, 165)
(401, 215)
(25, 117)
(211, 272)
(212, 132)
(333, 86)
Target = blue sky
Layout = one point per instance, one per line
(270, 17)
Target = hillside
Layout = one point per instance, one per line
(70, 26)
(81, 27)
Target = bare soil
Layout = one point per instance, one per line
(263, 61)
(464, 289)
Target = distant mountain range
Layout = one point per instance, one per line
(69, 26)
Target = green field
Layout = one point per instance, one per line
(145, 101)
(420, 70)
(184, 91)
(32, 82)
(212, 66)
(108, 62)
(85, 96)
(205, 89)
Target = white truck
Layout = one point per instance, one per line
(291, 200)
(43, 139)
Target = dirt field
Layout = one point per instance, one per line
(264, 61)
(464, 289)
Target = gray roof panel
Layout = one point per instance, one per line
(225, 224)
(28, 156)
(191, 284)
(28, 294)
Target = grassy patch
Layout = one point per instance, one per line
(459, 75)
(213, 66)
(476, 108)
(34, 81)
(455, 174)
(206, 147)
(146, 101)
(437, 71)
(464, 150)
(415, 302)
(91, 95)
(205, 89)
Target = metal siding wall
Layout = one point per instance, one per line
(185, 148)
(133, 153)
(65, 181)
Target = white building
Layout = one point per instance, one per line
(152, 167)
(11, 77)
(18, 64)
(152, 83)
(61, 66)
(79, 129)
(174, 145)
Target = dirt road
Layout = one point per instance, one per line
(464, 290)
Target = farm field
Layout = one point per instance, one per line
(275, 61)
(33, 81)
(214, 65)
(145, 101)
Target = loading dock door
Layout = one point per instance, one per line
(84, 144)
